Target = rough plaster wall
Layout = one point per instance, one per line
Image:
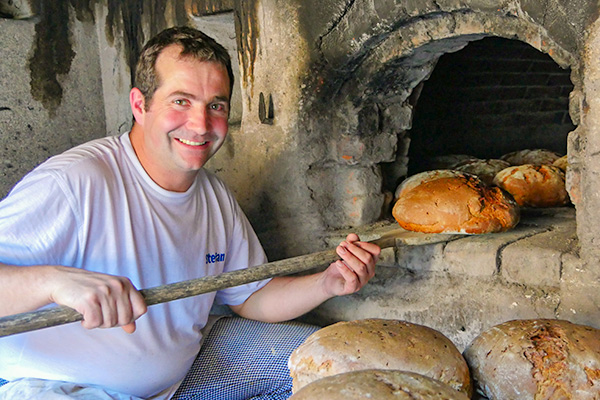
(584, 148)
(115, 75)
(38, 121)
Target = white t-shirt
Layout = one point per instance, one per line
(94, 207)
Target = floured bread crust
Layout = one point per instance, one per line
(378, 384)
(453, 202)
(534, 185)
(378, 344)
(531, 156)
(537, 359)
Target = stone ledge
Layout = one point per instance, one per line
(537, 260)
(529, 254)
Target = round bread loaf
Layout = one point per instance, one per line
(413, 181)
(453, 202)
(536, 359)
(485, 170)
(534, 185)
(378, 384)
(378, 344)
(528, 156)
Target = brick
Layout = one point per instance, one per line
(537, 260)
(477, 255)
(387, 258)
(421, 258)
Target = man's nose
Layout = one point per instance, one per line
(198, 120)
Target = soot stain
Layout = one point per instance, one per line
(248, 32)
(52, 54)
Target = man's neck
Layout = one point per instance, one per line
(174, 182)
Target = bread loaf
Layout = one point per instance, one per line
(453, 202)
(536, 359)
(534, 185)
(378, 344)
(528, 156)
(378, 384)
(485, 170)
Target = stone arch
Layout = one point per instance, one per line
(421, 41)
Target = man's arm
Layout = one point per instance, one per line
(104, 300)
(285, 298)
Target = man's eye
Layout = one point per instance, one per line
(217, 107)
(181, 102)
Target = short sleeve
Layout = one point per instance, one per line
(245, 251)
(37, 223)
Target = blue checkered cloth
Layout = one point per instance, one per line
(242, 359)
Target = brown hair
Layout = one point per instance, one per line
(193, 43)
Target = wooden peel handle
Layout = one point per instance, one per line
(60, 315)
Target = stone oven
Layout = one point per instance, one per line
(335, 103)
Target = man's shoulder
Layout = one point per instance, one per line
(88, 158)
(96, 160)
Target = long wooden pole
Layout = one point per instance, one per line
(30, 321)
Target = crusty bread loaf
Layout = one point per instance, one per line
(378, 384)
(536, 359)
(534, 185)
(529, 156)
(453, 202)
(378, 344)
(485, 170)
(413, 181)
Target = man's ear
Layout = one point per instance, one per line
(138, 105)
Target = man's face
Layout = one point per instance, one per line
(186, 120)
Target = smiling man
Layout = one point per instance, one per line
(88, 227)
(184, 123)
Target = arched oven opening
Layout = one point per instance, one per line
(491, 98)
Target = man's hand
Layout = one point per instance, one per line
(288, 297)
(105, 301)
(354, 270)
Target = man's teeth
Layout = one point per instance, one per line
(189, 142)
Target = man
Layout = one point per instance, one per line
(88, 227)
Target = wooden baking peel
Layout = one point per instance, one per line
(60, 315)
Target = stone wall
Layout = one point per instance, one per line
(50, 91)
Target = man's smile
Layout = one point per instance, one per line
(192, 143)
